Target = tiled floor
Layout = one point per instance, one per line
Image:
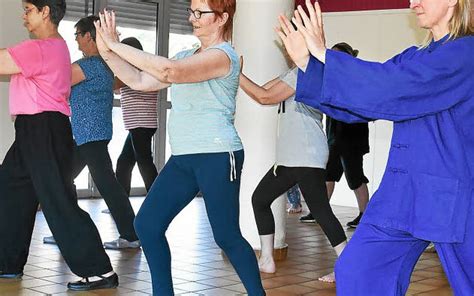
(198, 267)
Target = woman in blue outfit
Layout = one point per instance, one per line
(207, 154)
(427, 189)
(91, 104)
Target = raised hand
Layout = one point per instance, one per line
(312, 29)
(106, 27)
(294, 42)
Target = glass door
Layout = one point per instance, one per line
(162, 27)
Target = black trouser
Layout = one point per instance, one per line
(96, 156)
(37, 168)
(137, 149)
(349, 163)
(313, 188)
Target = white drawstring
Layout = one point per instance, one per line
(275, 166)
(233, 172)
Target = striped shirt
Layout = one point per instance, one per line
(138, 108)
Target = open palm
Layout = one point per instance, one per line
(294, 42)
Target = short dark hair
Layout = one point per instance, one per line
(86, 25)
(133, 42)
(344, 47)
(57, 8)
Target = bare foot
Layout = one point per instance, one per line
(266, 265)
(329, 278)
(294, 209)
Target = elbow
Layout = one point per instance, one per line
(169, 73)
(264, 100)
(172, 75)
(136, 84)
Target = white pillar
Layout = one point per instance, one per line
(255, 39)
(11, 32)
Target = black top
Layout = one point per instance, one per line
(345, 137)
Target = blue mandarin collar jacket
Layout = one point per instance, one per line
(427, 187)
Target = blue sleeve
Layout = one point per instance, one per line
(96, 71)
(309, 91)
(415, 84)
(88, 67)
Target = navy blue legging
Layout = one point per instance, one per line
(176, 186)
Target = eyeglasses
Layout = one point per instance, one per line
(79, 33)
(27, 11)
(198, 13)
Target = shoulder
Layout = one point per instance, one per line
(26, 45)
(290, 77)
(231, 54)
(458, 51)
(462, 45)
(94, 62)
(227, 49)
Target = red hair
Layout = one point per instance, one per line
(221, 7)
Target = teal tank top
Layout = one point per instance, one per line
(202, 113)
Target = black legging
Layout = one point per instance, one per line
(137, 149)
(312, 183)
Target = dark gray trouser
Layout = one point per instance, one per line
(38, 168)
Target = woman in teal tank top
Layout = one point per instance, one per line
(207, 153)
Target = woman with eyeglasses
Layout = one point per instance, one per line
(91, 104)
(207, 153)
(38, 166)
(426, 194)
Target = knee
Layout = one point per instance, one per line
(226, 240)
(258, 202)
(144, 158)
(147, 227)
(122, 162)
(141, 227)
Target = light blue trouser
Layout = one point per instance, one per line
(379, 261)
(294, 197)
(176, 186)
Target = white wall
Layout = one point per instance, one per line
(378, 35)
(11, 32)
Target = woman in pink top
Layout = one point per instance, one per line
(38, 166)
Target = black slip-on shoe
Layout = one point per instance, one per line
(307, 219)
(354, 223)
(109, 282)
(11, 276)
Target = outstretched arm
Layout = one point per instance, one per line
(131, 76)
(415, 84)
(206, 65)
(273, 92)
(127, 73)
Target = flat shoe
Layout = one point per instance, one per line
(86, 285)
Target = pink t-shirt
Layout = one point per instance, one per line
(44, 83)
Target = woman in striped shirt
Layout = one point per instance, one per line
(140, 119)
